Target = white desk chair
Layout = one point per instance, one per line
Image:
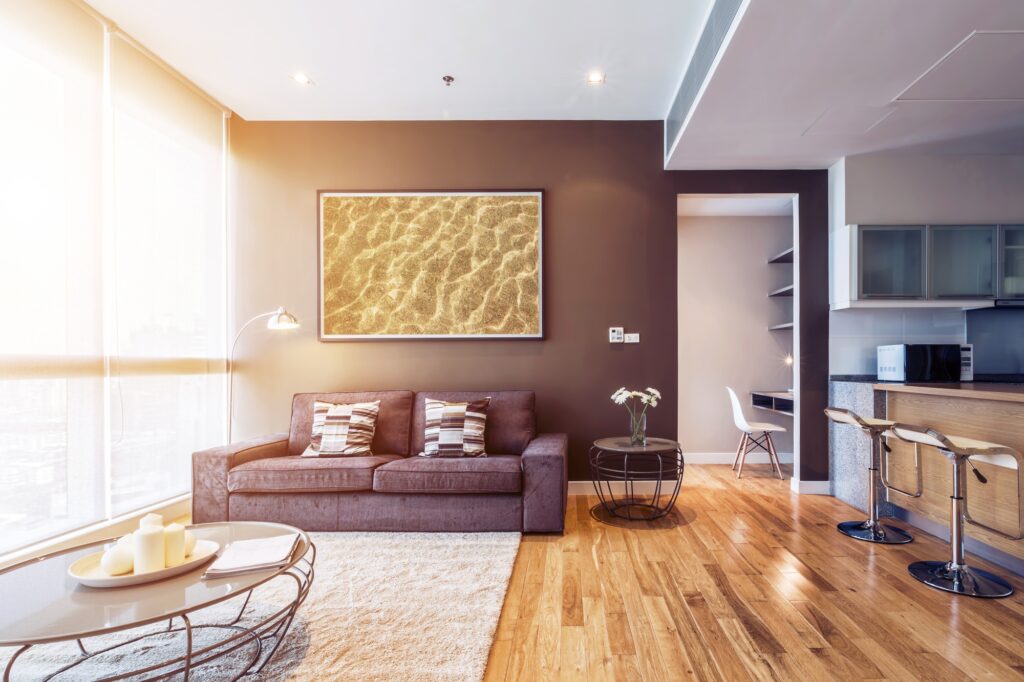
(749, 440)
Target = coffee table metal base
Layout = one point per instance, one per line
(660, 463)
(269, 631)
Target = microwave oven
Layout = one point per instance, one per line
(926, 362)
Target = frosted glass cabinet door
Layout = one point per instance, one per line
(891, 261)
(1012, 285)
(963, 261)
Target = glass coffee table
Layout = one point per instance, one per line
(43, 605)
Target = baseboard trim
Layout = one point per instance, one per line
(730, 457)
(618, 487)
(810, 487)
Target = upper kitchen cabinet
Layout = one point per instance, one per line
(962, 261)
(919, 266)
(1011, 261)
(891, 259)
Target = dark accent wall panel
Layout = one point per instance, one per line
(609, 259)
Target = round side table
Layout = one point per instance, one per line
(660, 462)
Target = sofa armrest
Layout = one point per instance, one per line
(545, 483)
(210, 473)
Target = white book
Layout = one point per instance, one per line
(259, 554)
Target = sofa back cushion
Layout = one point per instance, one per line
(391, 436)
(511, 422)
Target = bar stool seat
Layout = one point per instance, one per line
(870, 530)
(955, 575)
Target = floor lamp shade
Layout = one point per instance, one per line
(277, 320)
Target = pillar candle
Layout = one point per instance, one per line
(190, 543)
(149, 549)
(174, 545)
(117, 560)
(151, 520)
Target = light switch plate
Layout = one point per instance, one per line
(615, 334)
(632, 338)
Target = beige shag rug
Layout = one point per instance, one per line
(383, 606)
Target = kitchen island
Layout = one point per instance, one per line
(985, 411)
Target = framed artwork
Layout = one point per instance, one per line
(430, 265)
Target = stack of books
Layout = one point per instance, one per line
(249, 556)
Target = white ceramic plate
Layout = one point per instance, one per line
(88, 571)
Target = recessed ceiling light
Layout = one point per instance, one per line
(302, 79)
(596, 78)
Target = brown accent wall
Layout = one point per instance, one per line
(609, 259)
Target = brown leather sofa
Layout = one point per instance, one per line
(521, 485)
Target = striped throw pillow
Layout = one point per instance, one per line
(455, 429)
(343, 429)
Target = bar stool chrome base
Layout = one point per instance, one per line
(880, 533)
(972, 582)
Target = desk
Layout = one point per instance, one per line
(773, 401)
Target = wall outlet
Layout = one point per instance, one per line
(632, 338)
(615, 334)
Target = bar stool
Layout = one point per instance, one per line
(748, 440)
(955, 575)
(871, 530)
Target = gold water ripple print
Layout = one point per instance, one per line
(430, 265)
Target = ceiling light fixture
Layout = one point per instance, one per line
(596, 78)
(448, 80)
(302, 79)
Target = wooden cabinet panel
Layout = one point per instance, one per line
(994, 503)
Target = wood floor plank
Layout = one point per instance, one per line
(745, 580)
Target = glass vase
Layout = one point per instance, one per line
(638, 429)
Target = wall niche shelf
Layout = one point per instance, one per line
(784, 257)
(773, 401)
(781, 327)
(782, 291)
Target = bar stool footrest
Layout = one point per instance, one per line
(972, 582)
(879, 533)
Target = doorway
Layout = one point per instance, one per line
(738, 307)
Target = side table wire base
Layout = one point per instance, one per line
(614, 461)
(269, 631)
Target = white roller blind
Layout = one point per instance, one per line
(168, 242)
(112, 274)
(52, 476)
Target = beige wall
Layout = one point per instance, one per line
(724, 315)
(916, 188)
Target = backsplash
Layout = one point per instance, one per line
(998, 338)
(855, 334)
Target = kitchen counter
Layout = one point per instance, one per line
(992, 412)
(978, 379)
(969, 390)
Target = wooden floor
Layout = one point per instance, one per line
(749, 581)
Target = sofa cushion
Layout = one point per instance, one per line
(393, 419)
(497, 474)
(510, 418)
(454, 429)
(346, 429)
(306, 474)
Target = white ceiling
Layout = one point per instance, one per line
(384, 59)
(734, 205)
(805, 82)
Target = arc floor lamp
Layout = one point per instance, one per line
(278, 320)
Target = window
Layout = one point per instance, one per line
(112, 275)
